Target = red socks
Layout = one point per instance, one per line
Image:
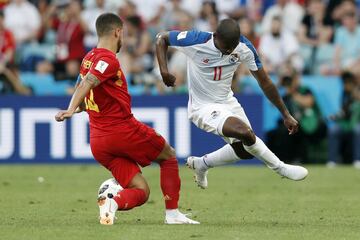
(170, 186)
(170, 182)
(130, 198)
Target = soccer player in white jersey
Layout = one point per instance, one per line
(212, 59)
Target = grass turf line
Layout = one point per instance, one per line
(240, 203)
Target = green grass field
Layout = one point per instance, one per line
(240, 203)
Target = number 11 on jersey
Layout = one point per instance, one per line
(217, 73)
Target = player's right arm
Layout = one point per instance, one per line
(162, 45)
(184, 41)
(273, 95)
(82, 106)
(89, 82)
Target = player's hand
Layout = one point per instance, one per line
(168, 79)
(62, 115)
(291, 124)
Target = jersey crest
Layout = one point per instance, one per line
(234, 58)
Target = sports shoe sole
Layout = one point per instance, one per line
(104, 220)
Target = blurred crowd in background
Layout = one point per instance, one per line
(42, 43)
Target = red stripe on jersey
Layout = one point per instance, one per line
(215, 74)
(220, 69)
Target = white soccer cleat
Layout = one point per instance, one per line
(199, 173)
(292, 172)
(176, 217)
(107, 215)
(356, 164)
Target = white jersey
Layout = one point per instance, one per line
(209, 72)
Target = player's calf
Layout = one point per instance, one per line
(136, 194)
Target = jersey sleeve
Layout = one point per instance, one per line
(104, 68)
(188, 38)
(251, 59)
(184, 41)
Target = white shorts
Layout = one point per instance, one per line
(211, 117)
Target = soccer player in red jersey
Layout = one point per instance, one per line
(118, 141)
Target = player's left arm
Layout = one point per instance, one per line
(89, 82)
(273, 95)
(82, 106)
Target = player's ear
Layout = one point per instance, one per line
(118, 32)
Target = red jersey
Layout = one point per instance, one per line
(70, 40)
(109, 103)
(7, 42)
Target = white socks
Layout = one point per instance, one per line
(171, 212)
(227, 155)
(222, 156)
(262, 152)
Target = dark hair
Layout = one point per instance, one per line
(347, 77)
(135, 21)
(107, 22)
(213, 7)
(228, 32)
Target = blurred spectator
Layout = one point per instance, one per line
(290, 12)
(109, 5)
(347, 46)
(208, 13)
(231, 8)
(70, 47)
(279, 47)
(150, 11)
(332, 13)
(314, 35)
(192, 7)
(336, 9)
(89, 16)
(3, 3)
(172, 16)
(347, 40)
(247, 28)
(302, 105)
(43, 7)
(128, 9)
(23, 19)
(344, 136)
(9, 80)
(136, 56)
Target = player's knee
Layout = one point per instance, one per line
(147, 194)
(167, 153)
(172, 152)
(146, 190)
(245, 134)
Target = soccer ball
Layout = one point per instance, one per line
(109, 188)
